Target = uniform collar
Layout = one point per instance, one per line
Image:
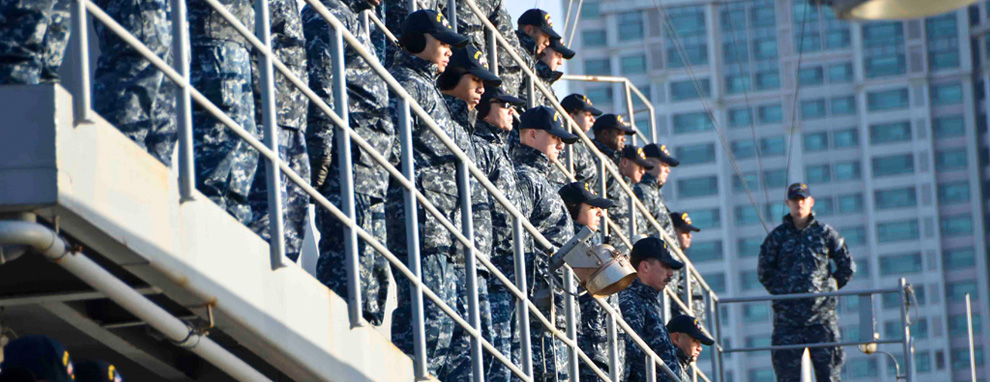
(531, 157)
(490, 133)
(604, 149)
(650, 180)
(460, 113)
(645, 291)
(789, 221)
(418, 65)
(546, 74)
(681, 356)
(526, 42)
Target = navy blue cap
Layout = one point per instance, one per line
(660, 152)
(579, 102)
(558, 45)
(539, 18)
(653, 248)
(469, 59)
(581, 192)
(798, 190)
(682, 222)
(683, 323)
(612, 121)
(433, 22)
(498, 93)
(635, 154)
(97, 371)
(545, 118)
(39, 356)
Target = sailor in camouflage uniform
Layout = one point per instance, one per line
(547, 68)
(586, 209)
(684, 229)
(33, 35)
(642, 308)
(583, 113)
(497, 13)
(128, 91)
(686, 334)
(367, 106)
(463, 84)
(535, 30)
(426, 41)
(396, 12)
(542, 137)
(610, 135)
(649, 189)
(221, 70)
(797, 257)
(632, 166)
(490, 137)
(291, 105)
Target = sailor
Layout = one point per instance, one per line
(610, 135)
(36, 358)
(583, 113)
(632, 167)
(685, 228)
(548, 68)
(686, 334)
(33, 36)
(534, 30)
(798, 257)
(97, 371)
(649, 189)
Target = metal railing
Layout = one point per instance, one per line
(261, 41)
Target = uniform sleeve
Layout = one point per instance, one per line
(767, 266)
(319, 130)
(839, 253)
(635, 359)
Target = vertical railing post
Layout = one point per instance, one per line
(83, 99)
(632, 112)
(522, 310)
(654, 135)
(452, 14)
(183, 102)
(491, 45)
(716, 326)
(613, 349)
(346, 177)
(908, 350)
(570, 310)
(651, 369)
(471, 269)
(632, 219)
(412, 241)
(969, 333)
(366, 22)
(273, 175)
(603, 191)
(530, 92)
(688, 296)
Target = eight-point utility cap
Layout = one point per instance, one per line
(580, 192)
(798, 191)
(38, 356)
(682, 222)
(545, 118)
(433, 22)
(558, 45)
(97, 371)
(612, 121)
(470, 59)
(579, 102)
(660, 152)
(683, 323)
(539, 18)
(636, 155)
(653, 248)
(498, 93)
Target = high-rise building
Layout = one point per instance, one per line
(886, 121)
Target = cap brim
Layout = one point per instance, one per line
(594, 111)
(510, 99)
(642, 162)
(488, 77)
(550, 32)
(455, 40)
(600, 202)
(670, 161)
(568, 138)
(701, 337)
(688, 227)
(564, 51)
(625, 127)
(799, 194)
(674, 264)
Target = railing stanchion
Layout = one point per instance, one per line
(651, 369)
(492, 49)
(603, 192)
(412, 241)
(969, 334)
(366, 22)
(522, 313)
(530, 92)
(688, 297)
(570, 311)
(613, 349)
(183, 102)
(452, 14)
(626, 86)
(716, 324)
(346, 174)
(471, 269)
(908, 349)
(83, 99)
(273, 176)
(632, 220)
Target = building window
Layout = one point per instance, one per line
(811, 76)
(749, 247)
(736, 83)
(949, 126)
(950, 159)
(770, 114)
(775, 178)
(813, 109)
(765, 48)
(956, 291)
(895, 198)
(847, 170)
(893, 165)
(738, 185)
(943, 42)
(946, 94)
(958, 225)
(739, 117)
(706, 251)
(600, 96)
(863, 368)
(743, 148)
(692, 122)
(824, 206)
(767, 80)
(959, 327)
(773, 146)
(923, 361)
(630, 26)
(747, 215)
(689, 24)
(760, 375)
(708, 218)
(959, 258)
(697, 187)
(954, 192)
(845, 138)
(884, 66)
(758, 341)
(887, 100)
(756, 312)
(715, 280)
(685, 90)
(750, 280)
(633, 64)
(851, 204)
(843, 105)
(900, 264)
(695, 154)
(883, 45)
(897, 231)
(816, 141)
(960, 358)
(840, 73)
(854, 236)
(890, 132)
(777, 211)
(591, 10)
(818, 173)
(598, 66)
(592, 38)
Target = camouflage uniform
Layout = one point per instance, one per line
(33, 35)
(469, 25)
(367, 97)
(441, 254)
(619, 213)
(548, 77)
(128, 91)
(642, 308)
(288, 46)
(395, 13)
(527, 51)
(492, 157)
(593, 333)
(609, 153)
(221, 70)
(545, 210)
(685, 362)
(648, 191)
(794, 260)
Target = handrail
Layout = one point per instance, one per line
(654, 134)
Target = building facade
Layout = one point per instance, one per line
(886, 121)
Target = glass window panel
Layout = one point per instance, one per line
(775, 178)
(863, 368)
(776, 211)
(843, 105)
(600, 96)
(764, 48)
(592, 38)
(946, 94)
(631, 26)
(840, 73)
(772, 146)
(954, 192)
(956, 291)
(879, 34)
(808, 41)
(707, 218)
(895, 198)
(949, 126)
(697, 153)
(847, 170)
(923, 361)
(816, 141)
(811, 76)
(887, 99)
(715, 280)
(697, 187)
(850, 204)
(749, 280)
(736, 83)
(685, 90)
(890, 132)
(770, 113)
(960, 358)
(893, 165)
(749, 247)
(760, 375)
(854, 236)
(706, 251)
(897, 231)
(743, 148)
(835, 39)
(692, 122)
(750, 179)
(761, 16)
(900, 264)
(950, 159)
(824, 206)
(597, 66)
(739, 117)
(633, 64)
(591, 10)
(767, 80)
(746, 215)
(959, 327)
(697, 54)
(882, 66)
(846, 138)
(756, 312)
(959, 258)
(958, 225)
(818, 173)
(813, 109)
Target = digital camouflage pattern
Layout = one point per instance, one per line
(548, 77)
(515, 75)
(642, 308)
(128, 91)
(395, 13)
(458, 366)
(480, 203)
(207, 25)
(794, 260)
(469, 25)
(585, 163)
(649, 192)
(685, 363)
(620, 212)
(56, 40)
(24, 40)
(593, 336)
(367, 98)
